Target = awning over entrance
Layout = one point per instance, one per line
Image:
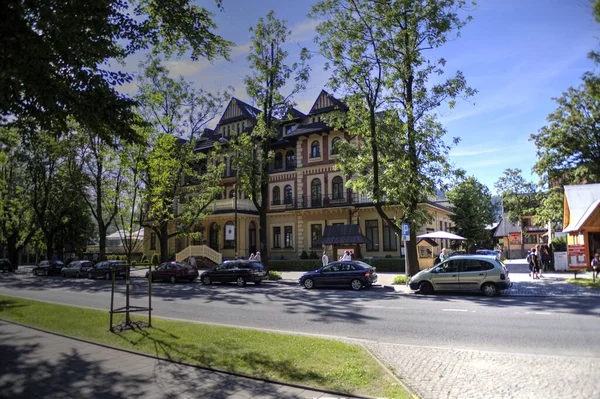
(342, 235)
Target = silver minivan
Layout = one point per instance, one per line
(465, 273)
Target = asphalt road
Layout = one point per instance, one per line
(568, 326)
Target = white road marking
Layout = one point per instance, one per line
(454, 310)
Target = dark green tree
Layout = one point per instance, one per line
(473, 211)
(58, 57)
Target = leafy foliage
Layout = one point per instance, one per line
(377, 54)
(76, 41)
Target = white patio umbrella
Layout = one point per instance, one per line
(442, 235)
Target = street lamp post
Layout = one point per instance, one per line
(235, 220)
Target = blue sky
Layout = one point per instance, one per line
(518, 54)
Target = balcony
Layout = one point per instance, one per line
(282, 168)
(325, 201)
(224, 205)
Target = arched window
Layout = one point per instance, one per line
(337, 186)
(232, 193)
(279, 161)
(229, 235)
(287, 195)
(315, 149)
(276, 197)
(290, 160)
(315, 192)
(334, 144)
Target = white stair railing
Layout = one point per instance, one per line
(199, 250)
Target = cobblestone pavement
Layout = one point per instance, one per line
(455, 373)
(547, 286)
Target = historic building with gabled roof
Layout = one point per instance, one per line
(306, 193)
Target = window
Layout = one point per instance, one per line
(278, 161)
(449, 267)
(334, 144)
(288, 237)
(276, 196)
(530, 239)
(287, 195)
(228, 130)
(526, 222)
(243, 126)
(153, 241)
(315, 149)
(232, 193)
(228, 244)
(276, 237)
(238, 127)
(372, 230)
(316, 233)
(338, 188)
(389, 239)
(472, 265)
(290, 160)
(315, 192)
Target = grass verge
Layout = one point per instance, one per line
(586, 283)
(317, 362)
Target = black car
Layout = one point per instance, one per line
(238, 271)
(354, 274)
(78, 268)
(105, 268)
(48, 267)
(6, 265)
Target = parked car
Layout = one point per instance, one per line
(354, 274)
(238, 271)
(173, 272)
(105, 268)
(6, 265)
(48, 267)
(492, 252)
(465, 273)
(78, 268)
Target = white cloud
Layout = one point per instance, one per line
(303, 31)
(474, 151)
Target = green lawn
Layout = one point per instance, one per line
(316, 362)
(586, 282)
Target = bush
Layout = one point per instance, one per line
(299, 265)
(155, 259)
(399, 280)
(144, 259)
(393, 265)
(313, 255)
(274, 275)
(388, 256)
(559, 244)
(303, 255)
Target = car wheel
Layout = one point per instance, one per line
(107, 276)
(173, 279)
(309, 283)
(356, 284)
(90, 276)
(426, 288)
(78, 275)
(489, 289)
(206, 280)
(240, 281)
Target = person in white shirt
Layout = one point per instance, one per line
(346, 256)
(251, 257)
(192, 261)
(257, 257)
(325, 258)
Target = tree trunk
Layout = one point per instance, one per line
(102, 242)
(13, 250)
(49, 249)
(163, 237)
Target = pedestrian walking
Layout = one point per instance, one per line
(595, 266)
(325, 258)
(346, 256)
(535, 261)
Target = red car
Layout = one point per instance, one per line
(173, 272)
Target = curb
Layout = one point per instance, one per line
(214, 370)
(409, 390)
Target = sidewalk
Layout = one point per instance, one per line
(42, 365)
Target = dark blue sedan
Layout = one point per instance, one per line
(353, 274)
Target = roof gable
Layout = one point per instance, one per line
(578, 201)
(236, 110)
(325, 103)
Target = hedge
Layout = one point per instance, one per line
(393, 265)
